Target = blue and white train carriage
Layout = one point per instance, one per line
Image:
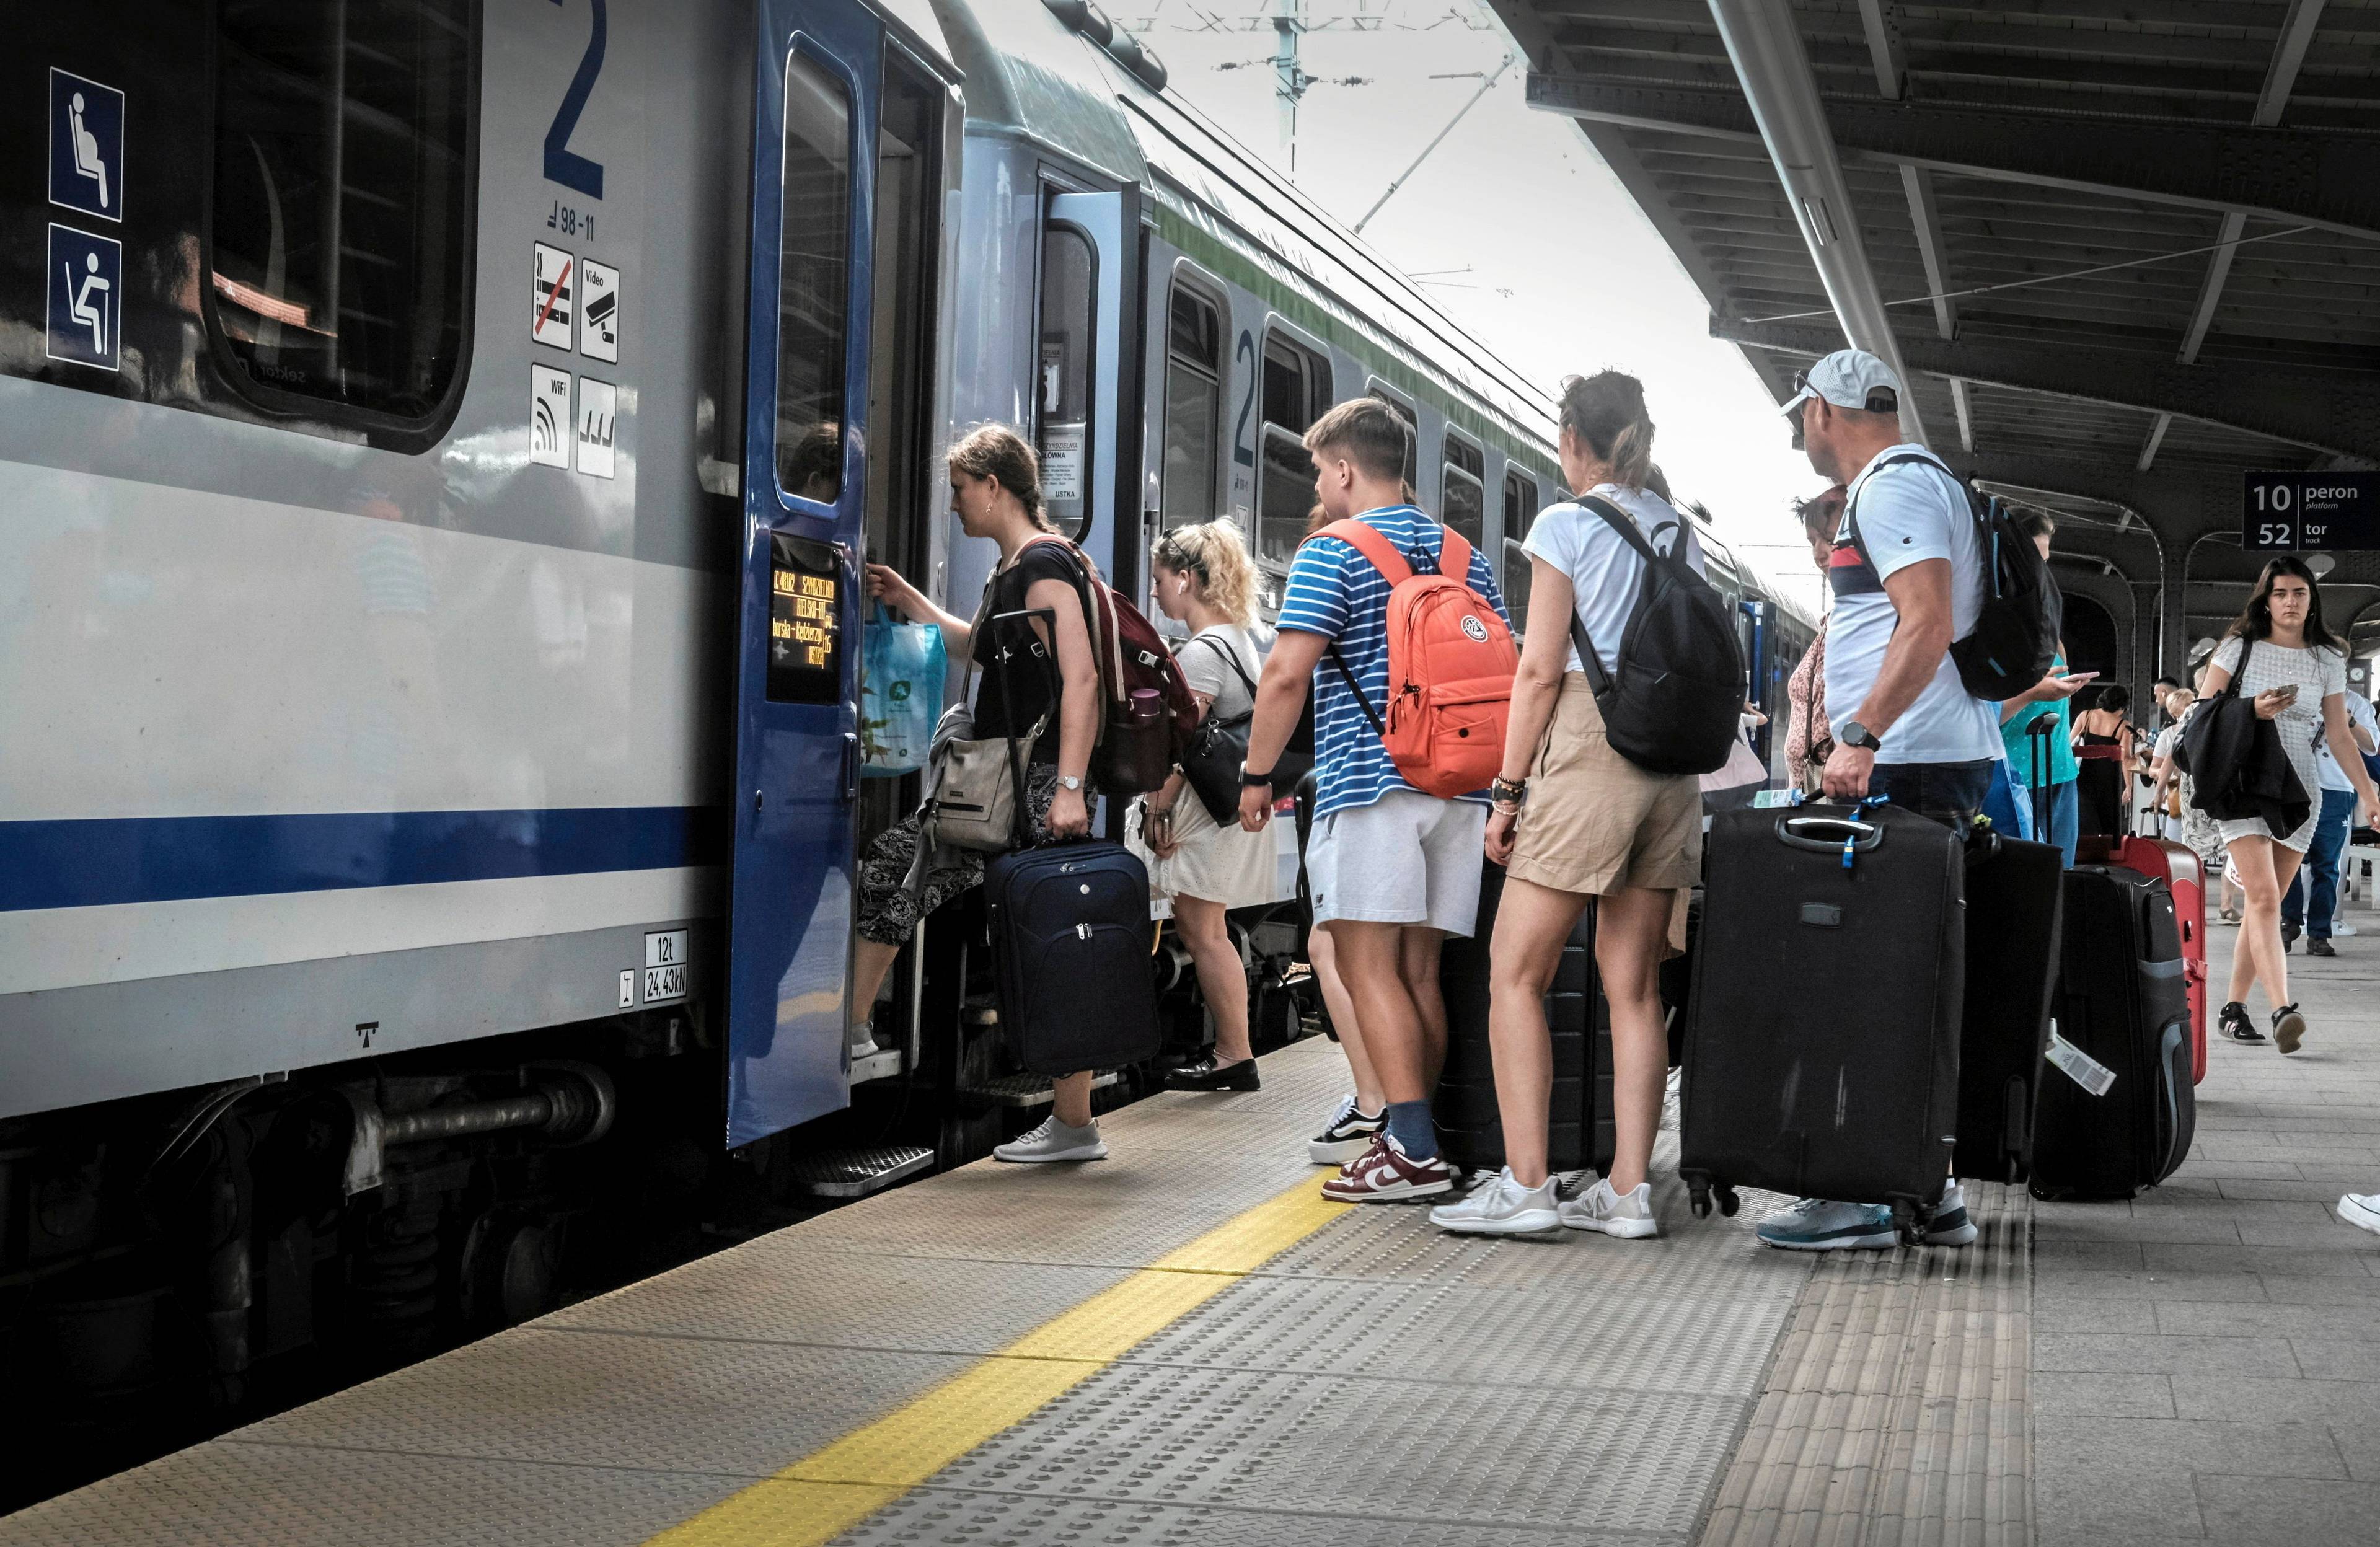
(415, 840)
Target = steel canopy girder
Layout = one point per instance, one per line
(2329, 178)
(2325, 412)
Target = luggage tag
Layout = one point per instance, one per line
(2078, 1065)
(1766, 800)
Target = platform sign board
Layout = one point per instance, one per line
(2310, 512)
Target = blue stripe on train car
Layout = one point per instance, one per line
(135, 859)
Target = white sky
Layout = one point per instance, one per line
(1523, 201)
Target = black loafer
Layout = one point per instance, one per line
(1208, 1074)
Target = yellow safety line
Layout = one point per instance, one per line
(831, 1490)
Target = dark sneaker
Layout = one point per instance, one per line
(2236, 1025)
(2289, 1028)
(1386, 1175)
(1208, 1074)
(2320, 946)
(1349, 1135)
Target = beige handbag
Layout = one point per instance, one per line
(974, 785)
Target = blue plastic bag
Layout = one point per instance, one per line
(901, 671)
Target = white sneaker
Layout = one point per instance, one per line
(1822, 1225)
(1500, 1206)
(1054, 1141)
(1605, 1210)
(2361, 1211)
(1950, 1224)
(2341, 929)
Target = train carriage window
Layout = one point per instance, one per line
(1194, 406)
(1463, 503)
(813, 282)
(1069, 324)
(340, 227)
(1412, 425)
(1520, 512)
(1297, 392)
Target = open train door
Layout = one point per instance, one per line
(818, 86)
(1088, 411)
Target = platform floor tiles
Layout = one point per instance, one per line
(2206, 1359)
(1183, 1345)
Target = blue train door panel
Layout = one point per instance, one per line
(1089, 409)
(806, 439)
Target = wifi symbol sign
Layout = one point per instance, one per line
(548, 415)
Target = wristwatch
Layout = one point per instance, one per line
(1514, 792)
(1255, 781)
(1853, 734)
(1069, 780)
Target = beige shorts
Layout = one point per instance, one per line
(1595, 823)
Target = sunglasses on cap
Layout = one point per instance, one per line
(1880, 400)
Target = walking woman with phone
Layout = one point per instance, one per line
(2296, 675)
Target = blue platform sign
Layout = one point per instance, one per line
(86, 297)
(86, 145)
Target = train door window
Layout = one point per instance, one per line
(340, 231)
(1394, 399)
(1194, 405)
(813, 282)
(1296, 392)
(902, 490)
(1069, 324)
(1462, 505)
(1519, 514)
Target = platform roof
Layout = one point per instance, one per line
(2234, 144)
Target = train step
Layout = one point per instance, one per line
(1024, 1090)
(855, 1173)
(882, 1063)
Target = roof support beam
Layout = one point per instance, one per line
(1966, 415)
(1880, 19)
(1779, 93)
(2156, 439)
(2296, 177)
(2280, 79)
(2327, 411)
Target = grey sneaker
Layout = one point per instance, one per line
(1054, 1141)
(1607, 1211)
(1500, 1206)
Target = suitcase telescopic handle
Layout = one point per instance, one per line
(1849, 833)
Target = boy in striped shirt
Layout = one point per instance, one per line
(1392, 871)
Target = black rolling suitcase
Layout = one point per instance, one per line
(2013, 913)
(2124, 1002)
(1071, 936)
(1823, 1056)
(1470, 1134)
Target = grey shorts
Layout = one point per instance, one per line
(1406, 859)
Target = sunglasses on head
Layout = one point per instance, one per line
(1880, 400)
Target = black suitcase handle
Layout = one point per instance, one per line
(1851, 832)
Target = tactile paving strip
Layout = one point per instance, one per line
(1898, 1408)
(1022, 1520)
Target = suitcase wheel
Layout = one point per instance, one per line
(1728, 1201)
(1699, 1197)
(1904, 1221)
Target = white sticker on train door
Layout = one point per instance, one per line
(548, 415)
(598, 405)
(1063, 448)
(664, 967)
(556, 274)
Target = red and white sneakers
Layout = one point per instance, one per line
(1385, 1174)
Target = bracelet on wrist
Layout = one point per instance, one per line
(1255, 781)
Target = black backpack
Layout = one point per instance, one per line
(1673, 706)
(2015, 637)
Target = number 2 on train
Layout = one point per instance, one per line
(563, 164)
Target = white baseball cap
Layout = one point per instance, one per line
(1848, 379)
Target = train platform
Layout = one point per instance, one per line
(1186, 1344)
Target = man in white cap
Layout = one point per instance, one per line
(1907, 574)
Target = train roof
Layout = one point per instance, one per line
(1028, 72)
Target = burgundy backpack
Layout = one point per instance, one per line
(1149, 711)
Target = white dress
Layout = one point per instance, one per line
(2317, 673)
(1220, 864)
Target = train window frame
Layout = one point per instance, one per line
(1410, 414)
(382, 431)
(1274, 435)
(1522, 501)
(1471, 466)
(856, 157)
(1188, 279)
(1050, 225)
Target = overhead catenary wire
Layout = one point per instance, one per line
(2044, 279)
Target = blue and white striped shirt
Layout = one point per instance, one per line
(1336, 593)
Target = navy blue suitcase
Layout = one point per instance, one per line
(1822, 1059)
(1071, 933)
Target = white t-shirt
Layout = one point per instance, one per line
(2358, 717)
(1908, 513)
(1605, 569)
(1204, 667)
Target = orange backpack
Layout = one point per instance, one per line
(1450, 665)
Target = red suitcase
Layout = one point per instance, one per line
(2178, 866)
